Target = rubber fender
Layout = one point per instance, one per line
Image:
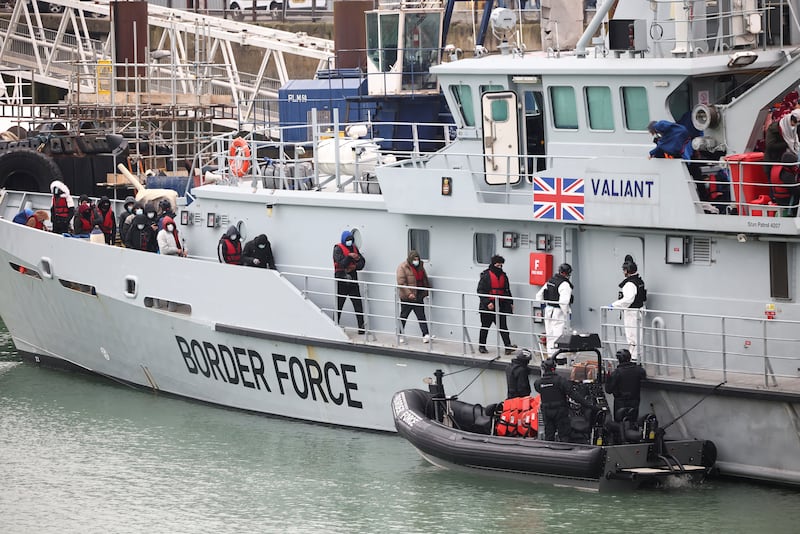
(24, 169)
(709, 453)
(56, 145)
(69, 145)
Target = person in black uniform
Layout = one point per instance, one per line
(258, 253)
(554, 390)
(519, 385)
(625, 384)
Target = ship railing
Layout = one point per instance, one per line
(289, 157)
(683, 31)
(744, 188)
(744, 351)
(453, 316)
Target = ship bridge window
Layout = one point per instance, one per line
(565, 112)
(463, 97)
(382, 40)
(598, 104)
(635, 110)
(420, 240)
(26, 271)
(484, 247)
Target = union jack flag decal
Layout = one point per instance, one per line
(558, 199)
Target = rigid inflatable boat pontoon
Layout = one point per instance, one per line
(461, 436)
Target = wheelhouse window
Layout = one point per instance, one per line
(565, 112)
(634, 107)
(382, 40)
(499, 108)
(598, 105)
(463, 97)
(484, 248)
(420, 240)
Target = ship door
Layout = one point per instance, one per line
(500, 137)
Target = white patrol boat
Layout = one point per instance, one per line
(549, 164)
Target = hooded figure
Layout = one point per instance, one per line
(151, 213)
(86, 218)
(412, 284)
(140, 235)
(347, 261)
(164, 210)
(62, 209)
(672, 140)
(781, 136)
(258, 253)
(169, 241)
(229, 249)
(108, 223)
(127, 210)
(136, 209)
(519, 385)
(495, 303)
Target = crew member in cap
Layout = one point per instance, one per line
(557, 294)
(632, 296)
(625, 383)
(517, 375)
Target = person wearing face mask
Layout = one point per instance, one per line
(347, 261)
(164, 210)
(139, 235)
(63, 207)
(258, 253)
(495, 303)
(151, 213)
(412, 281)
(229, 249)
(137, 209)
(123, 215)
(169, 242)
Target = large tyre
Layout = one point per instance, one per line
(236, 12)
(25, 169)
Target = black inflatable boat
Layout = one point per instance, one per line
(456, 435)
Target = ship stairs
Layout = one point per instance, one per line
(194, 62)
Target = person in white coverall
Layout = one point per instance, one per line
(632, 297)
(557, 295)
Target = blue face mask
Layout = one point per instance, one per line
(349, 243)
(415, 263)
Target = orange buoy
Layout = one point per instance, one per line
(239, 157)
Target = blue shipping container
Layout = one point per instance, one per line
(298, 97)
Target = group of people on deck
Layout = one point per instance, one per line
(781, 149)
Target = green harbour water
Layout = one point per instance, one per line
(82, 454)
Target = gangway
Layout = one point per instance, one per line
(189, 55)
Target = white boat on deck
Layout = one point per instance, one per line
(549, 165)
